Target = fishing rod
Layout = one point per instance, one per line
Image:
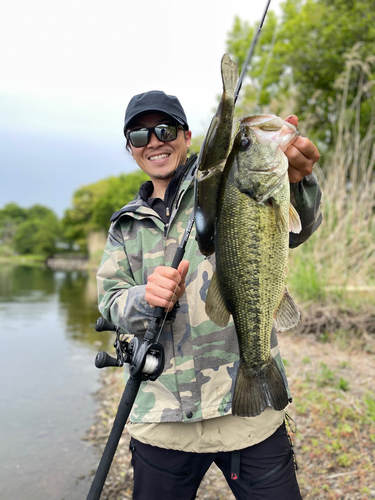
(146, 359)
(250, 53)
(146, 362)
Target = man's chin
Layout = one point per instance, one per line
(165, 176)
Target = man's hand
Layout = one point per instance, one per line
(302, 155)
(166, 285)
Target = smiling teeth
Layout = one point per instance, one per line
(159, 157)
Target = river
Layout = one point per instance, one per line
(48, 380)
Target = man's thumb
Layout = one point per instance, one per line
(183, 268)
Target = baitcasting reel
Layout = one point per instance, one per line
(146, 358)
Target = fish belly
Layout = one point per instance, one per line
(251, 256)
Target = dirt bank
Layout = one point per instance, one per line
(333, 386)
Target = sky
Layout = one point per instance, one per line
(69, 68)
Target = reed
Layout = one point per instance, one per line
(341, 254)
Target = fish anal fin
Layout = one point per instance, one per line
(215, 306)
(295, 225)
(287, 314)
(257, 389)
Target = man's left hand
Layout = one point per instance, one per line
(302, 155)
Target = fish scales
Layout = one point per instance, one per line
(251, 245)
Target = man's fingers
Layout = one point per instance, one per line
(183, 268)
(293, 119)
(166, 285)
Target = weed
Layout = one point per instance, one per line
(326, 376)
(344, 460)
(343, 385)
(370, 404)
(344, 364)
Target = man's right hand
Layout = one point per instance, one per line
(166, 285)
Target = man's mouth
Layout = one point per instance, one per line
(159, 157)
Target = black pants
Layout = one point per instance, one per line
(264, 471)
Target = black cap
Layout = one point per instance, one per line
(157, 101)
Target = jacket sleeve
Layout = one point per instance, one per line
(121, 300)
(306, 196)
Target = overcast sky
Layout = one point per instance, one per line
(69, 68)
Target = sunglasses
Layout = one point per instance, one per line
(141, 137)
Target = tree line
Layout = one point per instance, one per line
(38, 231)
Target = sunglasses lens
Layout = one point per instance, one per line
(139, 138)
(166, 133)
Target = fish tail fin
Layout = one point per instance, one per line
(257, 389)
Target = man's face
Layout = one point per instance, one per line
(160, 159)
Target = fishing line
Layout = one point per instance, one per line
(166, 314)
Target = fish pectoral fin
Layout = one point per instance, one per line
(295, 225)
(287, 314)
(281, 223)
(215, 306)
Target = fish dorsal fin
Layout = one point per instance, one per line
(287, 314)
(295, 225)
(215, 306)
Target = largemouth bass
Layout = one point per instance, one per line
(252, 227)
(212, 158)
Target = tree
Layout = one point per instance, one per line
(10, 217)
(39, 233)
(301, 56)
(94, 204)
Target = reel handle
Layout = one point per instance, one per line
(103, 360)
(102, 325)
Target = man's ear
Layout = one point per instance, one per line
(188, 137)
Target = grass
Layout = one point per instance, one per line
(341, 255)
(25, 260)
(334, 413)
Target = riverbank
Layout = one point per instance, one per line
(333, 386)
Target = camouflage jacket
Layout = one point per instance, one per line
(201, 358)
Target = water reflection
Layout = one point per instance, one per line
(48, 379)
(18, 283)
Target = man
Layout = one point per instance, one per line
(182, 422)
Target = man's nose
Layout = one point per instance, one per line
(154, 141)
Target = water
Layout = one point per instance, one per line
(48, 378)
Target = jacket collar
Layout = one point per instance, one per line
(185, 176)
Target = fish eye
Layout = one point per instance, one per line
(245, 143)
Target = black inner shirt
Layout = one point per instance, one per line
(163, 207)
